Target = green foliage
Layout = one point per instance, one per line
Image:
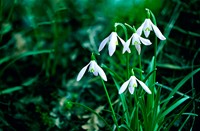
(44, 44)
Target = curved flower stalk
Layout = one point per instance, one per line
(136, 40)
(131, 84)
(93, 68)
(112, 43)
(147, 26)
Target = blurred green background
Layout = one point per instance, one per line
(45, 43)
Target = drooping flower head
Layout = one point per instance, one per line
(136, 40)
(147, 26)
(131, 84)
(112, 41)
(93, 68)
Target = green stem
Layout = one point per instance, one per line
(155, 50)
(126, 38)
(127, 57)
(127, 64)
(11, 10)
(155, 45)
(155, 58)
(140, 66)
(124, 28)
(109, 101)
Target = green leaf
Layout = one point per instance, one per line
(179, 114)
(173, 106)
(179, 85)
(5, 28)
(16, 88)
(125, 127)
(124, 104)
(112, 72)
(10, 90)
(21, 56)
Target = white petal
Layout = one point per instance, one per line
(112, 45)
(126, 46)
(147, 27)
(144, 86)
(82, 72)
(139, 30)
(123, 87)
(121, 40)
(158, 33)
(145, 41)
(95, 73)
(128, 50)
(103, 43)
(133, 82)
(131, 89)
(138, 48)
(146, 33)
(135, 39)
(101, 72)
(93, 66)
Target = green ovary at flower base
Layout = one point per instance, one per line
(93, 68)
(147, 26)
(136, 40)
(131, 84)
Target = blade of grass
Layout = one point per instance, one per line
(30, 53)
(112, 73)
(177, 116)
(16, 88)
(124, 104)
(125, 127)
(10, 90)
(156, 110)
(151, 85)
(172, 107)
(179, 85)
(182, 125)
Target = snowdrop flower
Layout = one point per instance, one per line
(112, 42)
(147, 26)
(94, 68)
(131, 84)
(136, 40)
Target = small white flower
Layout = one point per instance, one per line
(136, 40)
(94, 68)
(112, 42)
(147, 26)
(131, 84)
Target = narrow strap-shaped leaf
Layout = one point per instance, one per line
(24, 55)
(179, 114)
(112, 72)
(179, 85)
(173, 106)
(124, 104)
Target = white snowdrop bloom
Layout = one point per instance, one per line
(93, 68)
(136, 40)
(112, 41)
(131, 84)
(147, 26)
